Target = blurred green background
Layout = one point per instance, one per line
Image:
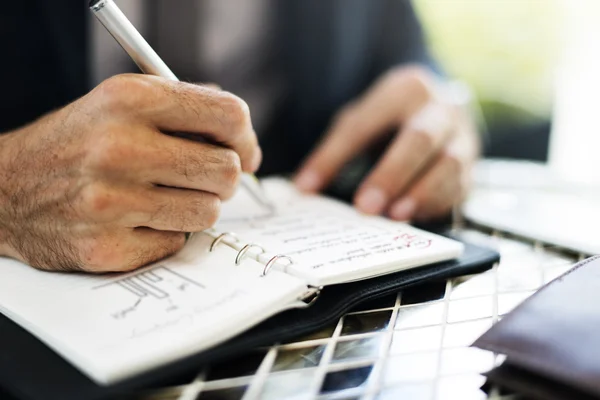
(506, 50)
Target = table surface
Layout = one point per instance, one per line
(411, 345)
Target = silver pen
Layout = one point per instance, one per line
(134, 44)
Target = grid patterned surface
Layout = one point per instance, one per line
(411, 345)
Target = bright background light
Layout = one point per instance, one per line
(529, 61)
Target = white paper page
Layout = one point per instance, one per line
(113, 327)
(329, 242)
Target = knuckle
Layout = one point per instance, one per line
(417, 73)
(176, 243)
(230, 169)
(424, 139)
(97, 199)
(121, 91)
(236, 110)
(108, 150)
(416, 77)
(205, 209)
(212, 211)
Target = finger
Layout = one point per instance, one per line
(179, 163)
(160, 208)
(171, 106)
(170, 209)
(382, 108)
(413, 149)
(143, 155)
(433, 195)
(152, 245)
(131, 249)
(345, 139)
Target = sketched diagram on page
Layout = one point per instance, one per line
(152, 295)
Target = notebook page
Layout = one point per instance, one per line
(115, 326)
(329, 242)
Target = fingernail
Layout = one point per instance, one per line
(371, 200)
(256, 160)
(308, 181)
(403, 209)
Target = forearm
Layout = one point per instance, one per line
(5, 249)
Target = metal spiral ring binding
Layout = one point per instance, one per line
(244, 250)
(222, 236)
(273, 260)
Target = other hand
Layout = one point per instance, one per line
(425, 169)
(98, 186)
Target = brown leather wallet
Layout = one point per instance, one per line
(552, 339)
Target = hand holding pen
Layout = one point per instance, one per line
(98, 186)
(117, 24)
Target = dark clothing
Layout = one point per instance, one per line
(330, 51)
(43, 58)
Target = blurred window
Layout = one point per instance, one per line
(506, 50)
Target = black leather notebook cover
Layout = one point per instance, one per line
(552, 340)
(30, 370)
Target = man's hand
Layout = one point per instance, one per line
(98, 186)
(425, 170)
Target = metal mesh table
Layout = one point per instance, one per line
(411, 345)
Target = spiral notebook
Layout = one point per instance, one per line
(255, 263)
